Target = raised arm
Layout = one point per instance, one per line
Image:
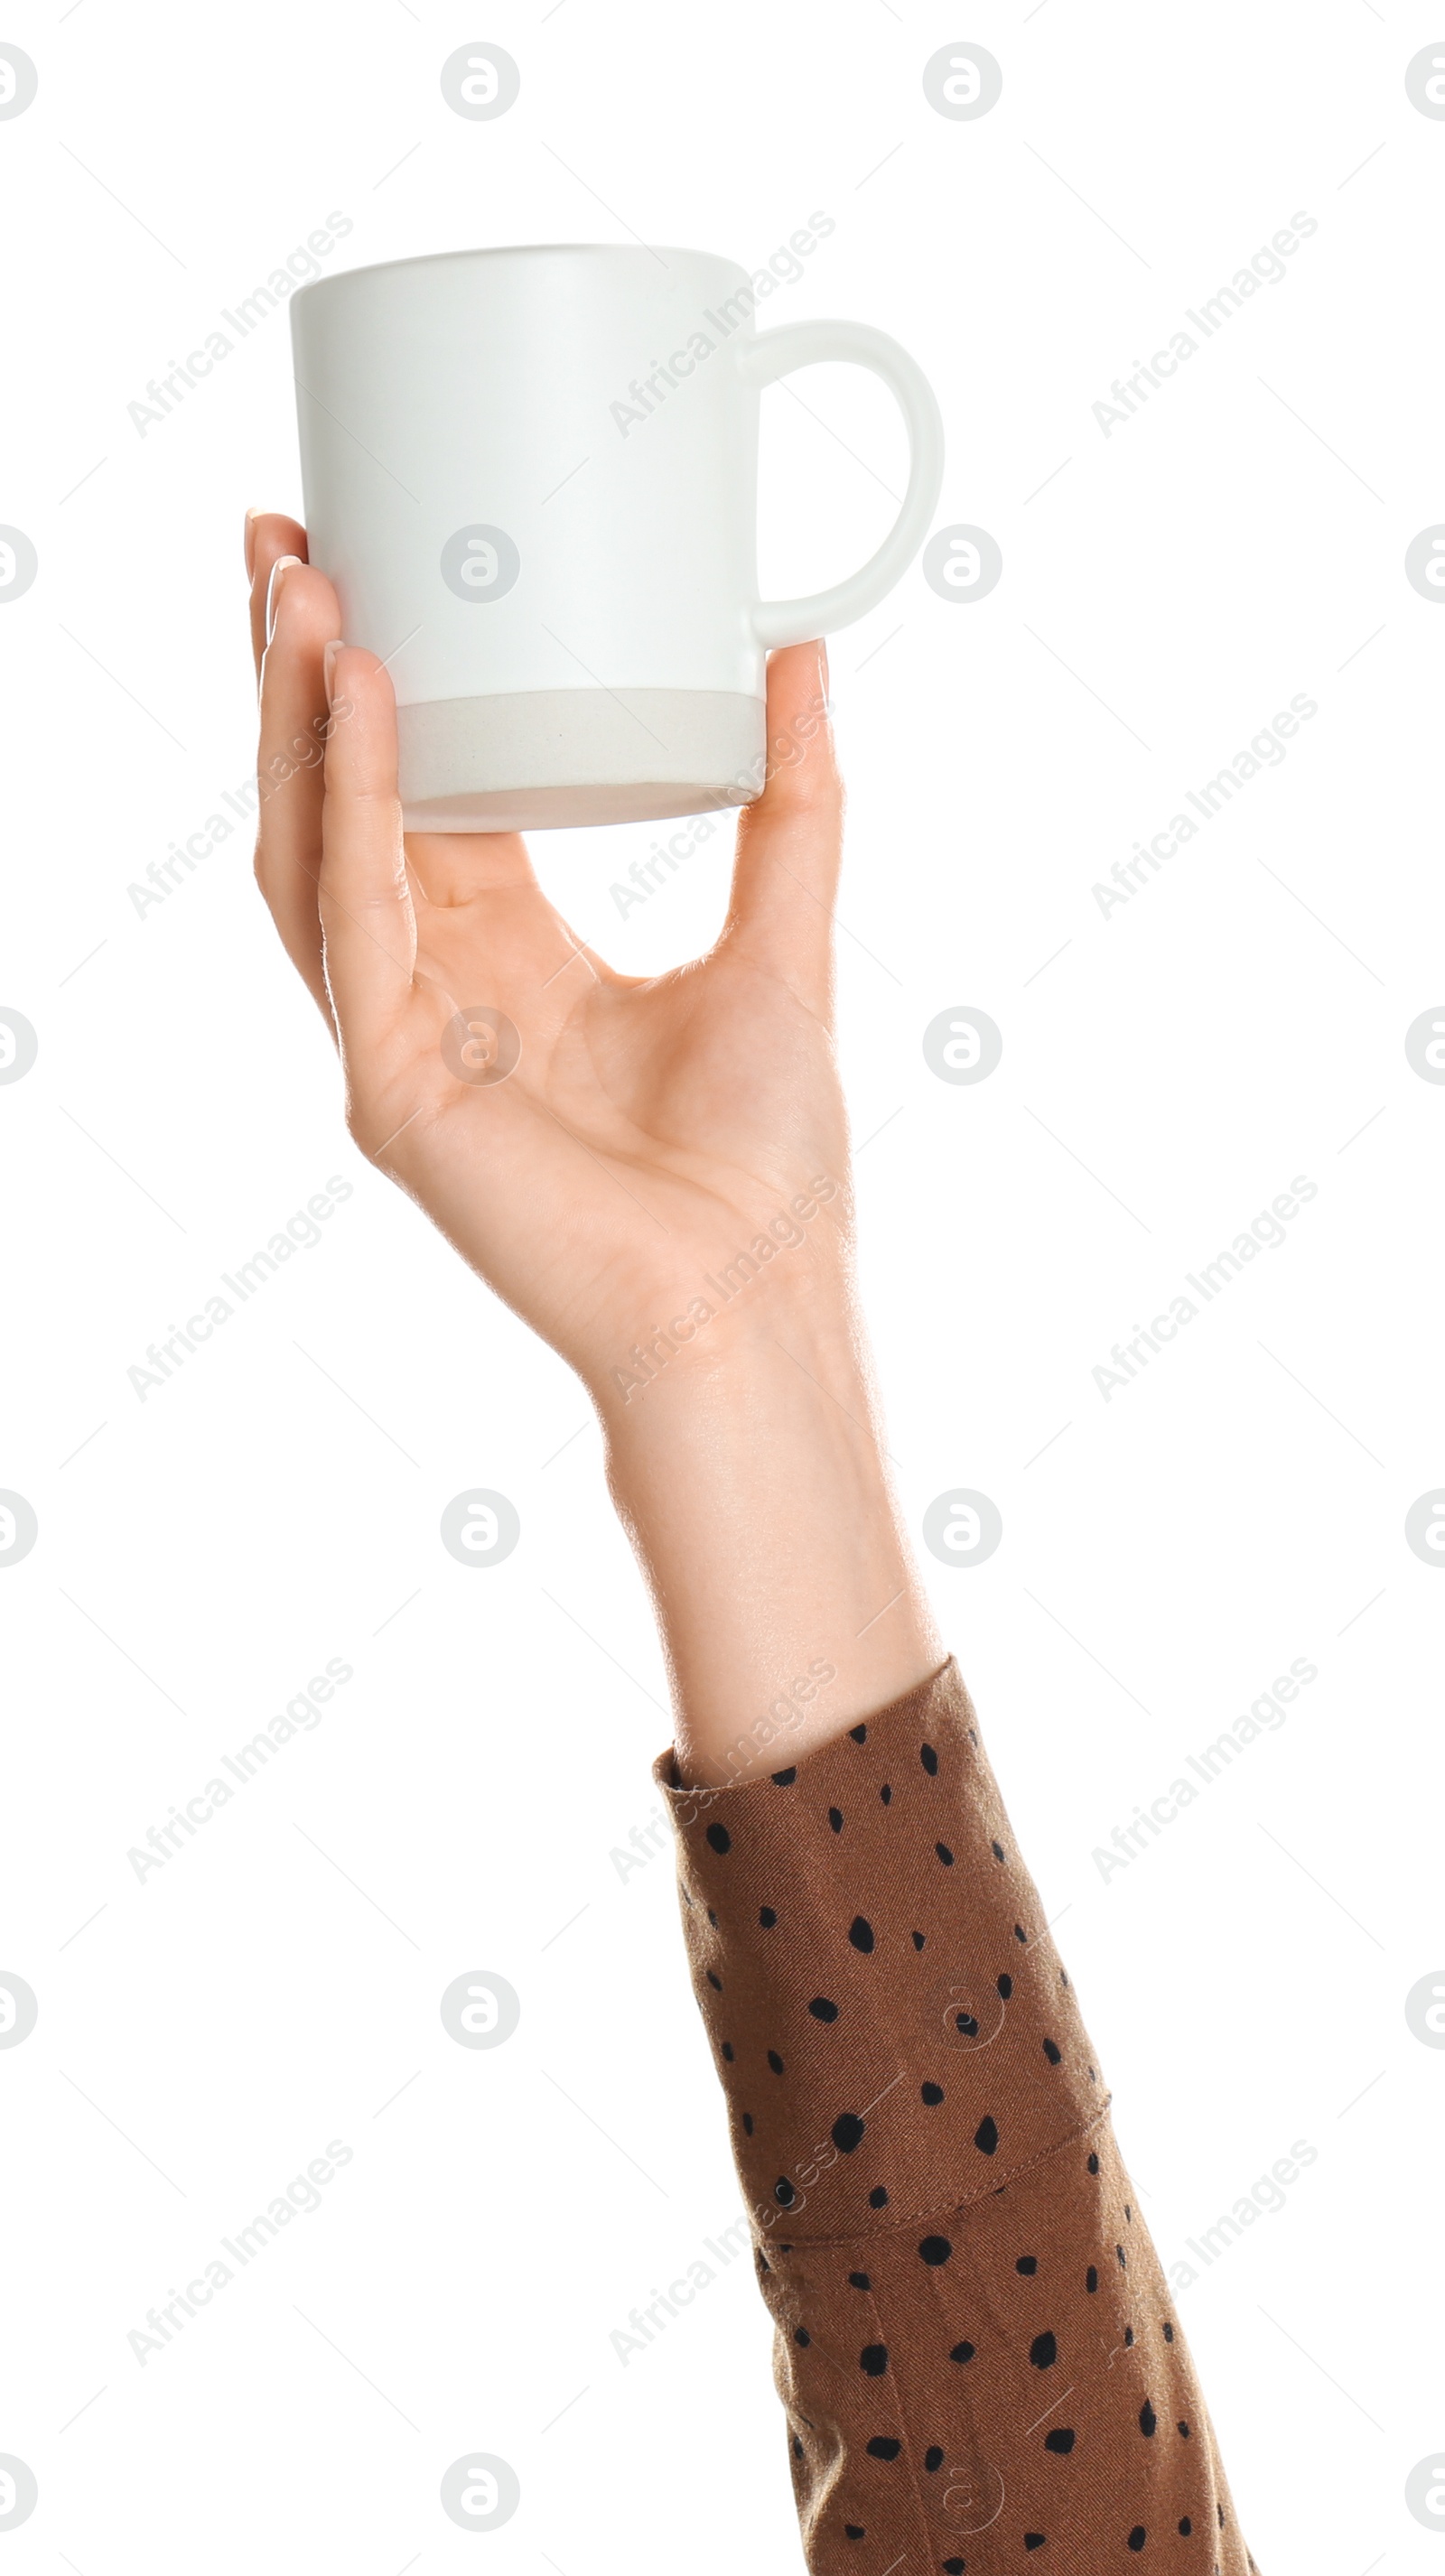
(975, 2346)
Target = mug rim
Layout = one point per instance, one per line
(522, 250)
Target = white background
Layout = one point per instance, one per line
(1167, 1070)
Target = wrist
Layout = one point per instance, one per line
(718, 1324)
(717, 1368)
(750, 1472)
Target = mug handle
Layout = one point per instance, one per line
(806, 344)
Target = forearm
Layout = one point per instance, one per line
(973, 2333)
(974, 2342)
(751, 1475)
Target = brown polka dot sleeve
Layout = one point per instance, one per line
(974, 2344)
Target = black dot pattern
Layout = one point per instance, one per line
(910, 2081)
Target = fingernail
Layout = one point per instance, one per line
(328, 665)
(250, 542)
(279, 569)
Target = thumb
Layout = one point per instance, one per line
(790, 843)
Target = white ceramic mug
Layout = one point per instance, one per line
(532, 476)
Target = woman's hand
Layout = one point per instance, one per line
(659, 1186)
(653, 1127)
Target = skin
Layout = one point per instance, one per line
(653, 1128)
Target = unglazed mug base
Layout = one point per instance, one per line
(538, 760)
